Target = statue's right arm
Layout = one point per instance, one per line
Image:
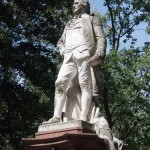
(61, 43)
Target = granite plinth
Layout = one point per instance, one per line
(72, 135)
(68, 141)
(58, 129)
(66, 125)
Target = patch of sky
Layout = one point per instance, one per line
(139, 33)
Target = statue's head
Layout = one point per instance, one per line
(80, 6)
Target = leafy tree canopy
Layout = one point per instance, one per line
(29, 31)
(29, 64)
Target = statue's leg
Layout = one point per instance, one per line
(66, 74)
(85, 83)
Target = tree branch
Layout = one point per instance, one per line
(120, 31)
(130, 129)
(112, 23)
(106, 107)
(128, 30)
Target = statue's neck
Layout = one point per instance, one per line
(81, 12)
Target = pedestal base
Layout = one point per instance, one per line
(68, 141)
(73, 135)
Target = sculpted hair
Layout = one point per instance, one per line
(86, 4)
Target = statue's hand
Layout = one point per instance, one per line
(96, 59)
(61, 51)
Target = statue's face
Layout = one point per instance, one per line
(77, 7)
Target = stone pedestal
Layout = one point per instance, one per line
(73, 135)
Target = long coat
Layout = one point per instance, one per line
(93, 33)
(96, 43)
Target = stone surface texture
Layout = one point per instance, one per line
(66, 125)
(74, 135)
(83, 46)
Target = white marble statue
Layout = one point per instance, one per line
(82, 45)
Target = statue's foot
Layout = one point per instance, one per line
(52, 120)
(83, 118)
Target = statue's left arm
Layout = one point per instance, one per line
(100, 41)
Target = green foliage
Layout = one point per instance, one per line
(126, 76)
(125, 73)
(122, 18)
(29, 62)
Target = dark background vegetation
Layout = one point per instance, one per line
(29, 63)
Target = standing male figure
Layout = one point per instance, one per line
(83, 46)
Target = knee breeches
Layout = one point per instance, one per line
(71, 69)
